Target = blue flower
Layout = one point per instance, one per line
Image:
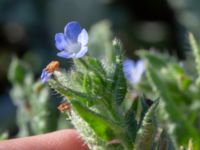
(133, 71)
(49, 70)
(45, 76)
(73, 42)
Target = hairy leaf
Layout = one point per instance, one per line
(146, 134)
(72, 94)
(164, 142)
(196, 51)
(131, 123)
(185, 129)
(119, 87)
(103, 127)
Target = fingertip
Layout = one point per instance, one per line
(70, 140)
(59, 140)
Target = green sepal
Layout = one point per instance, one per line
(93, 65)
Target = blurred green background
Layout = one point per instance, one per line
(27, 29)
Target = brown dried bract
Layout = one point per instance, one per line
(64, 107)
(52, 66)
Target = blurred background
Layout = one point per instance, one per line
(27, 29)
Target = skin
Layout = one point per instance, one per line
(59, 140)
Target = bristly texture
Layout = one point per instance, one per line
(133, 70)
(89, 136)
(97, 97)
(73, 42)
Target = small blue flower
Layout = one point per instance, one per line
(49, 70)
(133, 71)
(45, 76)
(73, 42)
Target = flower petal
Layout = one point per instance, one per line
(133, 71)
(73, 47)
(65, 54)
(60, 42)
(128, 65)
(83, 37)
(45, 76)
(82, 52)
(128, 68)
(72, 30)
(140, 66)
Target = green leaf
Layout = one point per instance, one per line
(142, 108)
(170, 77)
(164, 142)
(102, 126)
(87, 83)
(186, 130)
(196, 51)
(119, 87)
(43, 109)
(84, 80)
(131, 123)
(114, 147)
(17, 71)
(157, 60)
(96, 72)
(93, 65)
(146, 134)
(180, 76)
(72, 94)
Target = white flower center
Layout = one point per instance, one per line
(73, 47)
